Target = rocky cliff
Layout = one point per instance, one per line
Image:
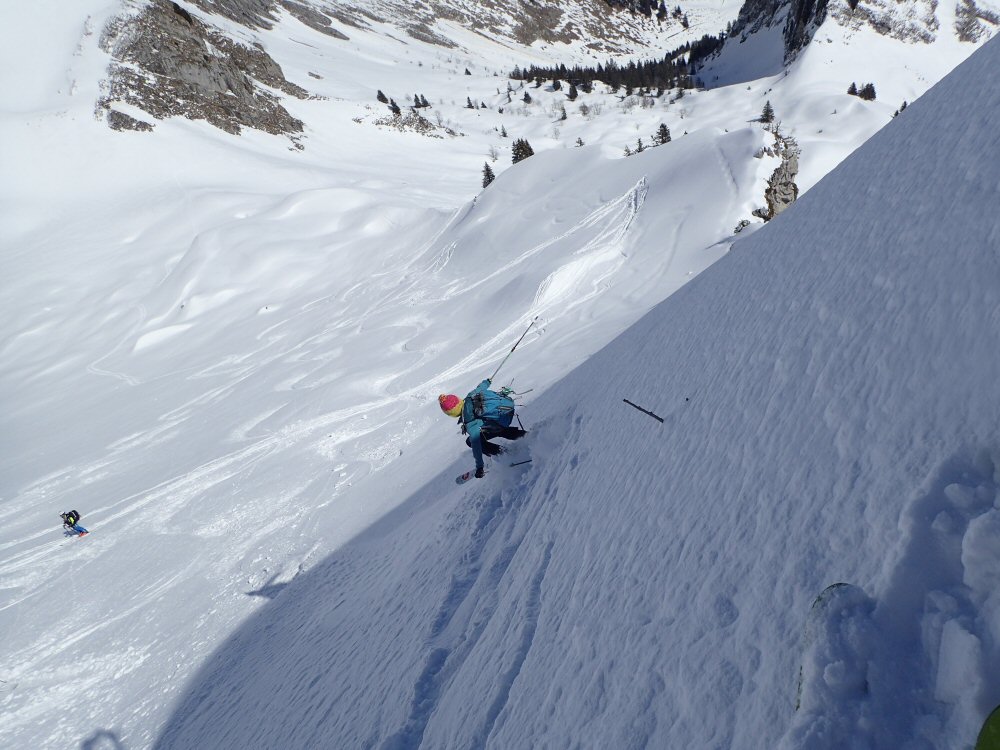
(168, 62)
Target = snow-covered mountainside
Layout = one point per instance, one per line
(227, 318)
(830, 414)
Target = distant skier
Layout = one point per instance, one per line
(483, 414)
(71, 521)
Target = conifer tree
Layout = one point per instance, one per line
(382, 97)
(394, 107)
(503, 132)
(853, 89)
(488, 175)
(662, 135)
(572, 92)
(639, 148)
(521, 150)
(767, 115)
(526, 98)
(423, 101)
(468, 103)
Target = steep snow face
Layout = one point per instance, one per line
(225, 351)
(829, 415)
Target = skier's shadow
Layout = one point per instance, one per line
(102, 739)
(269, 590)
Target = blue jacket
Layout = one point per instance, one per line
(484, 408)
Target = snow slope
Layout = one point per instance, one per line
(225, 352)
(830, 414)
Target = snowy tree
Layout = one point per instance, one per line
(572, 92)
(488, 175)
(767, 115)
(521, 150)
(662, 135)
(579, 142)
(853, 89)
(382, 97)
(394, 107)
(526, 98)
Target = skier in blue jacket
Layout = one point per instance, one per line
(483, 414)
(71, 521)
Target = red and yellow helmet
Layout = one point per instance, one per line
(450, 404)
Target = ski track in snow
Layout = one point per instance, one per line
(468, 606)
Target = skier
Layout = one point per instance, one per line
(71, 521)
(483, 414)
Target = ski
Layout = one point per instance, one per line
(463, 478)
(989, 735)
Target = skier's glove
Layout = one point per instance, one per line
(480, 472)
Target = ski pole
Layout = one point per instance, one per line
(514, 347)
(644, 411)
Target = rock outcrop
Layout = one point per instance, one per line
(781, 190)
(972, 22)
(169, 63)
(800, 19)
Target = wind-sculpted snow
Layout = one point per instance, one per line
(225, 353)
(830, 415)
